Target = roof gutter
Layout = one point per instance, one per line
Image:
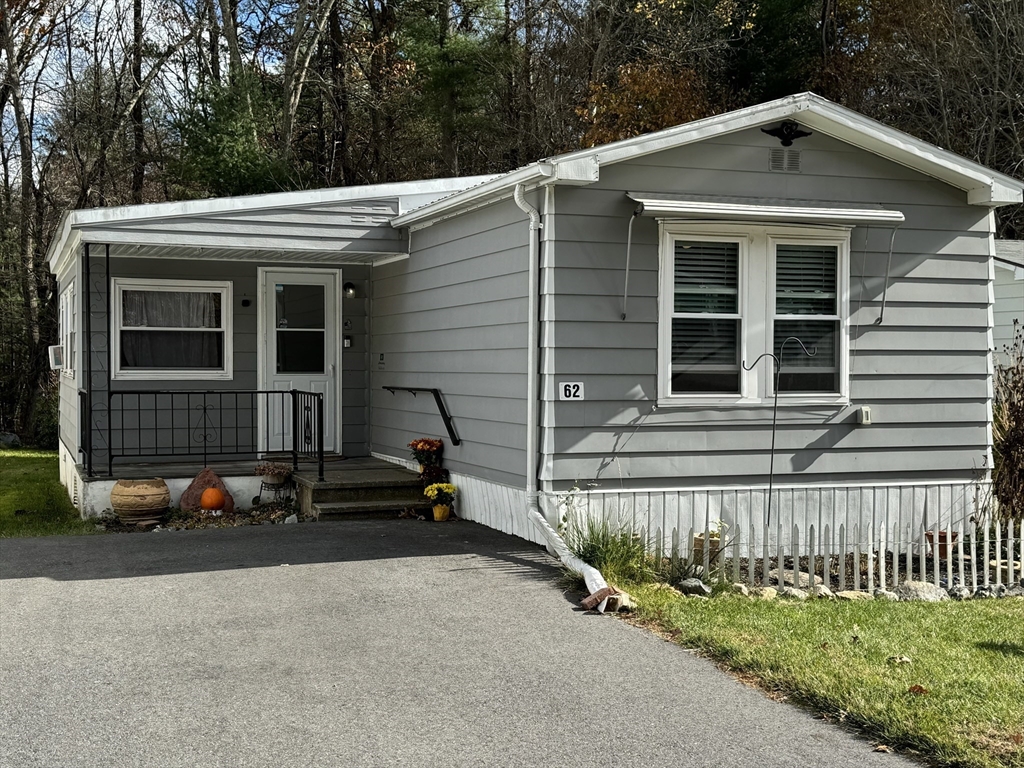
(593, 578)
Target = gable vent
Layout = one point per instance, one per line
(784, 160)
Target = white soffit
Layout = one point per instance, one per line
(762, 209)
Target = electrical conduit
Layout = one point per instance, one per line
(591, 575)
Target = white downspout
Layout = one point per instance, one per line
(593, 578)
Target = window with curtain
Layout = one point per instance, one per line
(706, 322)
(178, 329)
(67, 316)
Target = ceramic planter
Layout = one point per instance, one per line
(140, 502)
(946, 540)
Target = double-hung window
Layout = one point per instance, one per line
(730, 293)
(171, 329)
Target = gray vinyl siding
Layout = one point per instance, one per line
(924, 372)
(243, 276)
(1009, 306)
(67, 386)
(453, 316)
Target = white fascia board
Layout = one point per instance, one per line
(474, 196)
(752, 212)
(688, 133)
(207, 240)
(984, 186)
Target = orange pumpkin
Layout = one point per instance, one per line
(212, 498)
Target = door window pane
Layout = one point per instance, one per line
(300, 306)
(300, 351)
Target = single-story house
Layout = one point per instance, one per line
(1009, 294)
(595, 321)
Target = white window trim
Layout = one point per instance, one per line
(224, 287)
(757, 308)
(68, 317)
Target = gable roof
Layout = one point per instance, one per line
(983, 185)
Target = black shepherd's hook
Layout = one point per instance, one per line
(775, 411)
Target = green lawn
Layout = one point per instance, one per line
(32, 500)
(960, 700)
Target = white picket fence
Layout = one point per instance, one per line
(856, 537)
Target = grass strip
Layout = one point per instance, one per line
(959, 701)
(32, 500)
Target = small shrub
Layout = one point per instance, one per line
(620, 556)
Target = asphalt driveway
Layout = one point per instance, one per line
(373, 643)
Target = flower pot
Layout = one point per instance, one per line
(441, 512)
(275, 479)
(698, 548)
(946, 539)
(140, 502)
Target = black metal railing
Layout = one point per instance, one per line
(238, 423)
(439, 402)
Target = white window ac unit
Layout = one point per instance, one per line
(56, 357)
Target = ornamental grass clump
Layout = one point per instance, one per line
(427, 451)
(621, 556)
(1008, 431)
(442, 494)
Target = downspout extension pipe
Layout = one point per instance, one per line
(591, 575)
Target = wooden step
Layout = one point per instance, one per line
(354, 510)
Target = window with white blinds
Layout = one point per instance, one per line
(706, 321)
(806, 308)
(732, 292)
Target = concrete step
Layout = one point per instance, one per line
(355, 510)
(398, 492)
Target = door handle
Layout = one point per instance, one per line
(331, 369)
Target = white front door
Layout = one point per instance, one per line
(300, 327)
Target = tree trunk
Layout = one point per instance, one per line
(138, 137)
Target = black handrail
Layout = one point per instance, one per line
(215, 422)
(445, 417)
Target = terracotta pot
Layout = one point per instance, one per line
(946, 539)
(698, 548)
(142, 502)
(441, 512)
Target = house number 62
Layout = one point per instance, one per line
(570, 390)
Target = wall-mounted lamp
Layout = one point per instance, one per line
(348, 290)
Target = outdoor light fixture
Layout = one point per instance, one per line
(348, 290)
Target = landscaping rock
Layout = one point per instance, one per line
(921, 591)
(821, 591)
(984, 593)
(292, 519)
(884, 594)
(852, 594)
(792, 593)
(694, 587)
(801, 578)
(1017, 590)
(741, 589)
(959, 593)
(205, 479)
(9, 440)
(764, 593)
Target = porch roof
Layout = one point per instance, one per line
(339, 225)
